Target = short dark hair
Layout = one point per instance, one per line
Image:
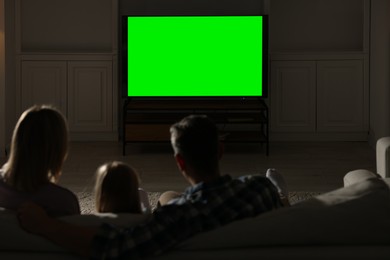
(195, 138)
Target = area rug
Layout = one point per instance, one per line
(87, 200)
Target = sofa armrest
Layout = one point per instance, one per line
(383, 157)
(355, 176)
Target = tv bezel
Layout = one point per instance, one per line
(123, 61)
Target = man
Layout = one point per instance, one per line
(212, 200)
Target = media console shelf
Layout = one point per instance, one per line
(238, 120)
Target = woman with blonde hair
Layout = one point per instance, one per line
(38, 150)
(117, 190)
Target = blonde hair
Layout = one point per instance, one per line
(116, 188)
(38, 149)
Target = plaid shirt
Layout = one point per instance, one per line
(202, 207)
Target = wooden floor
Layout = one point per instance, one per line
(307, 166)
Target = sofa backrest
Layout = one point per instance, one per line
(383, 157)
(355, 215)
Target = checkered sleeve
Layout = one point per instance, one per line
(159, 234)
(267, 196)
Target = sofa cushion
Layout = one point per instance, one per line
(355, 215)
(13, 237)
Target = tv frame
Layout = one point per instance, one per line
(123, 60)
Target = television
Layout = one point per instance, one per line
(194, 56)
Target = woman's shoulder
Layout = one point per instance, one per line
(59, 190)
(1, 175)
(54, 194)
(3, 184)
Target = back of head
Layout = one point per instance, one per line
(195, 138)
(116, 189)
(38, 149)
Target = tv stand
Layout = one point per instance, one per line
(239, 120)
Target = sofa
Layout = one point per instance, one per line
(352, 222)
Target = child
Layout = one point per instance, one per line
(38, 150)
(117, 190)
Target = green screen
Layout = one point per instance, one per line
(179, 56)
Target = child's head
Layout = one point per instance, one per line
(38, 149)
(116, 189)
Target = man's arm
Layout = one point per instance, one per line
(75, 238)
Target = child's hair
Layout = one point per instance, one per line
(116, 189)
(38, 149)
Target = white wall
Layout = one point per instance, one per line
(2, 79)
(379, 59)
(10, 70)
(380, 70)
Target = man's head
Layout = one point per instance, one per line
(195, 143)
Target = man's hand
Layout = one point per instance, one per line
(78, 239)
(34, 219)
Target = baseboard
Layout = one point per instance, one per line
(97, 136)
(358, 137)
